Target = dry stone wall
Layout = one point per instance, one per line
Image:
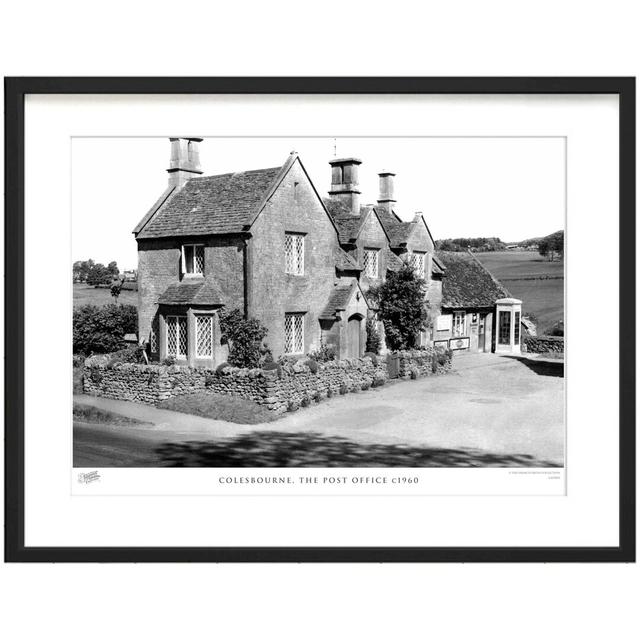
(543, 344)
(283, 389)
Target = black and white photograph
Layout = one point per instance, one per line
(318, 301)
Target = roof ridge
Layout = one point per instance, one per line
(233, 173)
(491, 274)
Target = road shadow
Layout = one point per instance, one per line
(310, 449)
(542, 367)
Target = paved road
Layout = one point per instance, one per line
(498, 404)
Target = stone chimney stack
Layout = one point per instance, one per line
(386, 199)
(344, 183)
(185, 160)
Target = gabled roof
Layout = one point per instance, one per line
(340, 297)
(467, 283)
(210, 205)
(394, 263)
(205, 292)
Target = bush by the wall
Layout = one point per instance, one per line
(373, 356)
(325, 353)
(102, 329)
(244, 337)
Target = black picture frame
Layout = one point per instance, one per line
(15, 91)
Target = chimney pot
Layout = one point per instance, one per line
(386, 199)
(344, 183)
(185, 160)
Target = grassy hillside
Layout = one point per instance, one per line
(84, 294)
(532, 278)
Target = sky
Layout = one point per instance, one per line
(512, 188)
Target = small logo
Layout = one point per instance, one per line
(90, 476)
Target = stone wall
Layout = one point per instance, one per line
(283, 389)
(423, 362)
(290, 386)
(543, 344)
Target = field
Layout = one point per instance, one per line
(84, 294)
(532, 278)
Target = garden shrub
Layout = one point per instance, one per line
(325, 353)
(102, 329)
(305, 402)
(414, 373)
(365, 385)
(292, 406)
(169, 361)
(373, 356)
(343, 389)
(132, 355)
(244, 337)
(96, 376)
(329, 392)
(400, 299)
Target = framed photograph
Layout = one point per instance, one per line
(319, 319)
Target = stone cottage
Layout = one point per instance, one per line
(477, 312)
(265, 242)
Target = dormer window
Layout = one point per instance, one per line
(193, 259)
(371, 263)
(418, 263)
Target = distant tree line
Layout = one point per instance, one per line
(552, 246)
(473, 244)
(95, 274)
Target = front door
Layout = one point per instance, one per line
(482, 320)
(353, 337)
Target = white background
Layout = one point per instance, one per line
(54, 517)
(468, 38)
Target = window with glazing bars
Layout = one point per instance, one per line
(294, 332)
(516, 328)
(177, 336)
(371, 263)
(193, 259)
(204, 336)
(153, 336)
(417, 263)
(459, 323)
(294, 253)
(504, 327)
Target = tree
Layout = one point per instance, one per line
(244, 337)
(99, 274)
(552, 246)
(81, 270)
(401, 307)
(112, 268)
(102, 329)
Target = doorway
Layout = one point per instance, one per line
(354, 336)
(482, 324)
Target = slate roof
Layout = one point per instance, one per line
(203, 292)
(210, 205)
(467, 284)
(344, 262)
(339, 298)
(393, 261)
(397, 230)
